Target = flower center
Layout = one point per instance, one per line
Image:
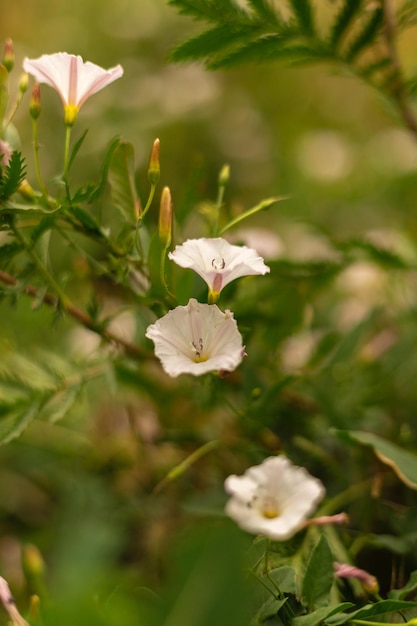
(218, 264)
(267, 506)
(197, 348)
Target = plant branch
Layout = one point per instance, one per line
(80, 316)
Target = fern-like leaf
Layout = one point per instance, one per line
(303, 12)
(212, 42)
(11, 176)
(265, 11)
(215, 11)
(367, 35)
(270, 48)
(343, 20)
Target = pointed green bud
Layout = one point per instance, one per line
(35, 103)
(154, 169)
(165, 218)
(8, 55)
(32, 561)
(224, 175)
(24, 83)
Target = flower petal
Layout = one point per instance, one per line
(217, 261)
(196, 339)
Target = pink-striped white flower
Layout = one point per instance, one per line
(218, 262)
(196, 339)
(73, 79)
(273, 499)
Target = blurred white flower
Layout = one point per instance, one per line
(73, 79)
(218, 262)
(273, 499)
(196, 339)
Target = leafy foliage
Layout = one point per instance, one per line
(11, 176)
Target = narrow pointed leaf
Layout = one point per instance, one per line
(403, 463)
(265, 204)
(122, 181)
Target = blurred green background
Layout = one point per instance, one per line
(81, 490)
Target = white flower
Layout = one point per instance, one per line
(273, 499)
(218, 262)
(73, 79)
(196, 339)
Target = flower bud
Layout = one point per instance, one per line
(35, 103)
(154, 169)
(165, 218)
(32, 561)
(8, 55)
(24, 83)
(224, 175)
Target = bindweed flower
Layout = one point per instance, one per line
(218, 262)
(73, 79)
(273, 499)
(368, 581)
(196, 339)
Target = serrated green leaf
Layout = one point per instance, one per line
(403, 463)
(348, 11)
(11, 176)
(318, 578)
(121, 177)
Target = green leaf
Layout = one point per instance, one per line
(320, 615)
(265, 11)
(11, 176)
(371, 610)
(318, 577)
(76, 147)
(104, 172)
(86, 220)
(303, 11)
(410, 587)
(212, 10)
(348, 11)
(269, 609)
(16, 419)
(367, 35)
(122, 181)
(403, 463)
(211, 42)
(265, 204)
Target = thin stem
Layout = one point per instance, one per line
(43, 270)
(398, 90)
(80, 316)
(138, 242)
(162, 274)
(66, 158)
(182, 467)
(42, 185)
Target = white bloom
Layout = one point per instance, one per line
(218, 262)
(196, 339)
(73, 79)
(273, 499)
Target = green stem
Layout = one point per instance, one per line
(62, 297)
(162, 273)
(138, 242)
(67, 158)
(180, 469)
(42, 185)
